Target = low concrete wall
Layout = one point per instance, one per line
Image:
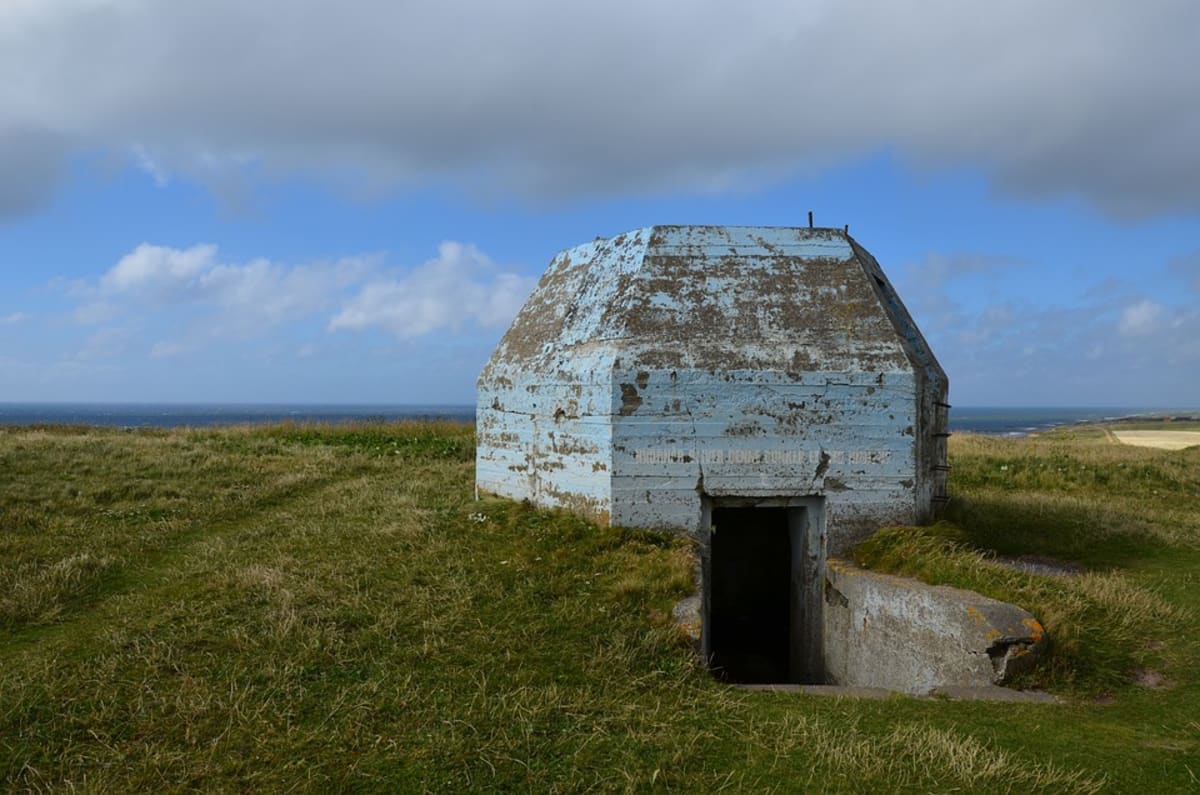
(900, 634)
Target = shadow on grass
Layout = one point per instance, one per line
(1098, 539)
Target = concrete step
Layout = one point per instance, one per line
(992, 693)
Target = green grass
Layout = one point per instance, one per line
(314, 608)
(1129, 515)
(1106, 628)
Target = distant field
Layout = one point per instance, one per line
(1156, 425)
(315, 609)
(1163, 440)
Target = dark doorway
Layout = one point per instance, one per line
(750, 591)
(764, 571)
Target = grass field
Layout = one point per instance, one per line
(295, 608)
(1163, 440)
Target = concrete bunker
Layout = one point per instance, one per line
(762, 389)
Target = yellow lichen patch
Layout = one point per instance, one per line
(690, 629)
(974, 613)
(992, 634)
(1035, 628)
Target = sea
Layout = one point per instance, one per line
(975, 419)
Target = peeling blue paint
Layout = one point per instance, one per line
(670, 363)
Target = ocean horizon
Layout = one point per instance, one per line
(992, 420)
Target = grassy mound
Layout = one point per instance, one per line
(1128, 517)
(1104, 629)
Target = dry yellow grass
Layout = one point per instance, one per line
(1162, 440)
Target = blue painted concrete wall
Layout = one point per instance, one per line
(848, 438)
(652, 368)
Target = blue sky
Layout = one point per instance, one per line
(309, 203)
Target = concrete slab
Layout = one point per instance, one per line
(993, 693)
(900, 634)
(837, 691)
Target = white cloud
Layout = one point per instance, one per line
(1096, 344)
(1081, 97)
(183, 300)
(14, 319)
(1140, 319)
(158, 271)
(255, 293)
(460, 287)
(270, 292)
(143, 160)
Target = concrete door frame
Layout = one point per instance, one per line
(806, 528)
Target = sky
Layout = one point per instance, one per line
(311, 202)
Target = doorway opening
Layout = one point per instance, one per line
(763, 573)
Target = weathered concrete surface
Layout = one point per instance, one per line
(671, 364)
(900, 634)
(835, 691)
(994, 693)
(989, 693)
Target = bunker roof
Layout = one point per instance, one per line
(715, 298)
